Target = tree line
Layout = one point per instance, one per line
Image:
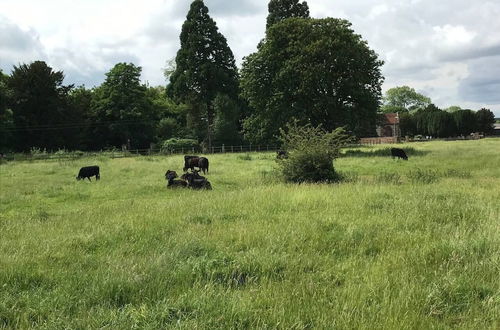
(419, 116)
(308, 71)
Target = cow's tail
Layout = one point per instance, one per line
(207, 165)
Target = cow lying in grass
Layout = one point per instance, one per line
(172, 183)
(196, 181)
(88, 171)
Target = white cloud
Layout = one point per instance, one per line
(445, 48)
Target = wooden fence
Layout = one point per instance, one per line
(73, 155)
(379, 140)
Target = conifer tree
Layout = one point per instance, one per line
(283, 9)
(204, 68)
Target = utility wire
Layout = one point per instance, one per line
(8, 128)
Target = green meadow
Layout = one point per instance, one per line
(395, 245)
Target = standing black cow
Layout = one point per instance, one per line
(190, 162)
(203, 164)
(88, 171)
(399, 153)
(281, 154)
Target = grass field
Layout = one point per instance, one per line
(397, 245)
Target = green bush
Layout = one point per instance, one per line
(179, 144)
(311, 152)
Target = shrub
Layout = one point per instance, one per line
(174, 144)
(311, 153)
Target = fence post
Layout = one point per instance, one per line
(232, 149)
(213, 150)
(223, 149)
(241, 148)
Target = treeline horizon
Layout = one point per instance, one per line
(305, 70)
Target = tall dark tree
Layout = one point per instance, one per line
(40, 108)
(204, 68)
(280, 10)
(6, 118)
(317, 71)
(226, 129)
(80, 103)
(123, 113)
(485, 120)
(465, 121)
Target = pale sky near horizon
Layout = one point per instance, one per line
(448, 50)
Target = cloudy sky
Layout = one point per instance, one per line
(448, 50)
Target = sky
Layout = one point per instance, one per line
(448, 50)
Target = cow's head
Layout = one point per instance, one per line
(170, 175)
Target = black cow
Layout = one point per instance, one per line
(171, 182)
(203, 164)
(281, 154)
(190, 162)
(399, 153)
(88, 171)
(196, 181)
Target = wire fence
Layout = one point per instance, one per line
(74, 155)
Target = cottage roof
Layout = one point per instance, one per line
(391, 118)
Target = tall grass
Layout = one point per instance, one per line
(386, 249)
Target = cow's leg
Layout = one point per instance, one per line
(89, 178)
(97, 177)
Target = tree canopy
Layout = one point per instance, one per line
(485, 120)
(315, 70)
(124, 113)
(204, 68)
(40, 110)
(280, 10)
(403, 99)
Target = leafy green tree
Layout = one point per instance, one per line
(465, 121)
(280, 10)
(485, 119)
(80, 102)
(39, 105)
(226, 120)
(407, 124)
(315, 70)
(124, 115)
(422, 117)
(441, 124)
(403, 99)
(434, 122)
(453, 108)
(204, 68)
(6, 117)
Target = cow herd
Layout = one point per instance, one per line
(193, 179)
